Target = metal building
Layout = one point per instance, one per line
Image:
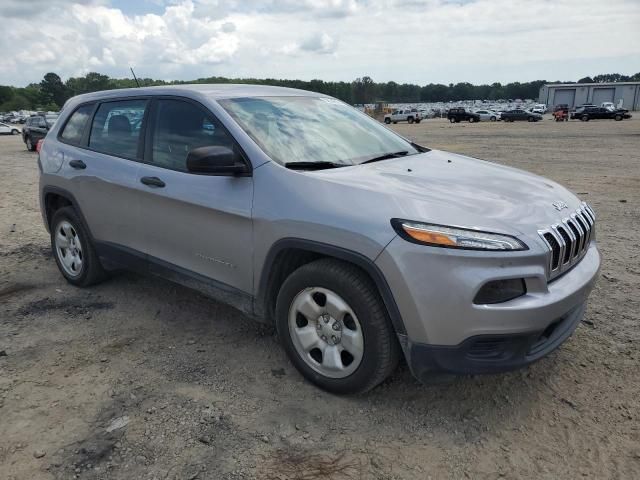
(576, 94)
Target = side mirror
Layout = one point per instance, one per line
(215, 160)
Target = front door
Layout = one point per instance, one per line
(194, 223)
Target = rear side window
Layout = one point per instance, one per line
(179, 127)
(74, 129)
(116, 127)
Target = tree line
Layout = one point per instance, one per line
(52, 91)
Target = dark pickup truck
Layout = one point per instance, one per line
(456, 115)
(590, 113)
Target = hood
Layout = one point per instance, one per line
(449, 189)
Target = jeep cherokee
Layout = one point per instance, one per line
(358, 245)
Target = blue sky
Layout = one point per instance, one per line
(417, 41)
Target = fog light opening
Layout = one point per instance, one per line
(499, 291)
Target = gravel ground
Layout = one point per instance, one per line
(140, 378)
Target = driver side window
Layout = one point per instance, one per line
(179, 127)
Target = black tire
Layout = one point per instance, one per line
(387, 121)
(452, 120)
(381, 349)
(15, 132)
(492, 119)
(29, 143)
(91, 271)
(410, 120)
(472, 119)
(584, 118)
(531, 119)
(618, 118)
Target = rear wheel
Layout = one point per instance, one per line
(73, 250)
(15, 132)
(387, 121)
(334, 327)
(452, 120)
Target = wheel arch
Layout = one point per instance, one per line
(288, 254)
(54, 198)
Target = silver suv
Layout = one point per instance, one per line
(360, 246)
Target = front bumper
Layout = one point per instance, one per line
(445, 331)
(492, 353)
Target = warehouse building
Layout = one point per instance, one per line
(576, 94)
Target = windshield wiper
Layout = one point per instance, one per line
(313, 165)
(386, 156)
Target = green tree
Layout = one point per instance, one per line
(53, 89)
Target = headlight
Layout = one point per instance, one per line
(453, 237)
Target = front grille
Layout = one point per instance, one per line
(569, 240)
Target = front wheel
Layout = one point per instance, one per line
(452, 120)
(618, 118)
(493, 119)
(584, 118)
(471, 119)
(15, 132)
(531, 119)
(387, 121)
(410, 119)
(72, 248)
(334, 327)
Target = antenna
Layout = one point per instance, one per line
(134, 76)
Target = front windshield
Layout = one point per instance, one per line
(313, 129)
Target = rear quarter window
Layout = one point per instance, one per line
(74, 129)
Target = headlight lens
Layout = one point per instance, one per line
(453, 237)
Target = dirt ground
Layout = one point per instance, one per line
(140, 378)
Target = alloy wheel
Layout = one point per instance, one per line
(69, 248)
(326, 332)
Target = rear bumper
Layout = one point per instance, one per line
(492, 353)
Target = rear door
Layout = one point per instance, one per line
(193, 223)
(103, 147)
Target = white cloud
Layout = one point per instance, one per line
(418, 41)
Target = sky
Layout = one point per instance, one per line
(413, 41)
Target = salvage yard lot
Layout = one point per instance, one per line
(140, 378)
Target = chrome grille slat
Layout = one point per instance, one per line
(569, 240)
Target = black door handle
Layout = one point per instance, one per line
(152, 181)
(77, 164)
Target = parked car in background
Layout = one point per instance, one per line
(459, 114)
(520, 115)
(540, 109)
(488, 115)
(599, 113)
(6, 129)
(409, 115)
(37, 127)
(561, 113)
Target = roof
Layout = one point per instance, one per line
(594, 84)
(216, 91)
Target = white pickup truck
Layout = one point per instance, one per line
(403, 115)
